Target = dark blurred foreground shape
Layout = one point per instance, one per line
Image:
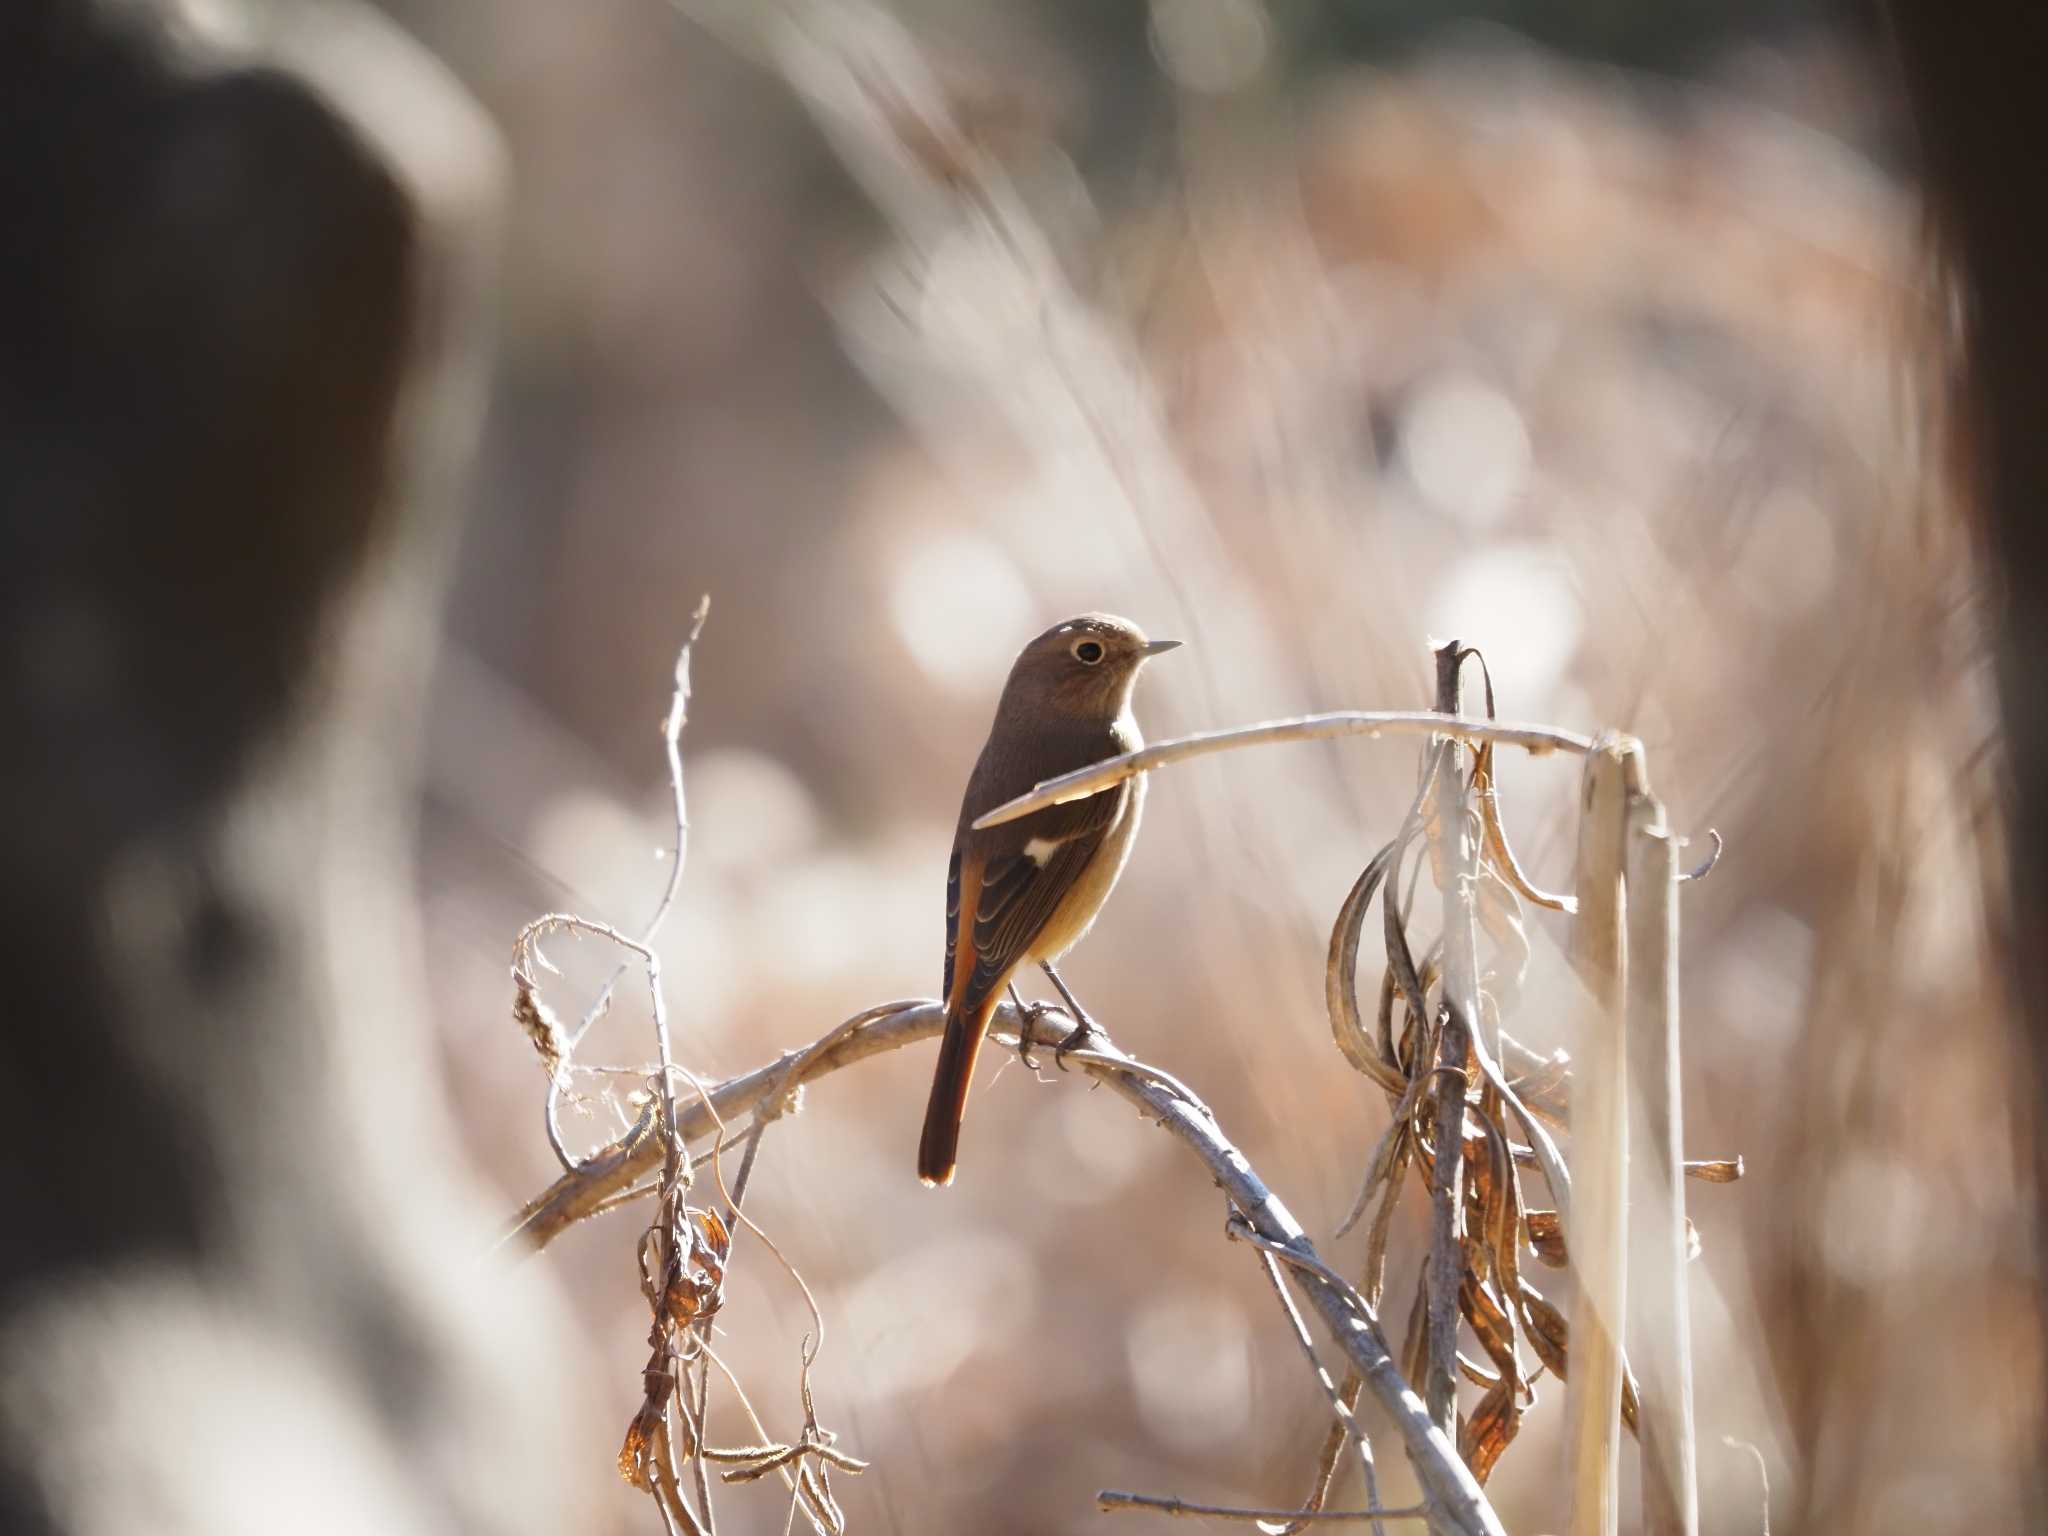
(1974, 82)
(239, 1277)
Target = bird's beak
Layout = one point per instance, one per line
(1158, 647)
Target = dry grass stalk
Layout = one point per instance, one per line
(1597, 1233)
(1659, 1335)
(1455, 854)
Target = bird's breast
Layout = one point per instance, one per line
(1076, 912)
(1124, 733)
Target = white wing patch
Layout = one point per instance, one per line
(1039, 849)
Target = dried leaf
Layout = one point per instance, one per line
(1489, 1178)
(689, 1299)
(1507, 1231)
(1408, 983)
(773, 1457)
(683, 1303)
(1387, 1160)
(1381, 1230)
(1340, 976)
(697, 1291)
(1476, 1373)
(1489, 1430)
(1718, 1170)
(1549, 1333)
(1430, 974)
(818, 1501)
(1500, 914)
(833, 1456)
(1543, 1083)
(1490, 1324)
(742, 1452)
(1385, 1017)
(532, 1014)
(636, 1454)
(710, 1246)
(1502, 864)
(1415, 1346)
(1546, 1237)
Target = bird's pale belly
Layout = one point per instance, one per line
(1084, 899)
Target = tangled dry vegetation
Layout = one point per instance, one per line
(1472, 1115)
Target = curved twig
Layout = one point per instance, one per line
(1083, 782)
(615, 1167)
(1705, 867)
(1113, 1499)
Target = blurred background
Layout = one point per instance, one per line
(1595, 335)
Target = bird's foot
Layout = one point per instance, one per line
(1033, 1012)
(1085, 1035)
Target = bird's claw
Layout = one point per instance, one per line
(1081, 1037)
(1033, 1012)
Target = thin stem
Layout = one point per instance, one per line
(701, 1414)
(1596, 1233)
(1660, 1345)
(1083, 782)
(1346, 1421)
(1457, 865)
(1113, 1499)
(671, 736)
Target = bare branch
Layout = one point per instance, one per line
(1083, 782)
(1455, 1500)
(614, 1168)
(1112, 1499)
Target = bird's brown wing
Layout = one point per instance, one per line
(998, 900)
(953, 884)
(1014, 894)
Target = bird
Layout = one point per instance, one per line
(1030, 888)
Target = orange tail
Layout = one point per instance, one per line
(938, 1150)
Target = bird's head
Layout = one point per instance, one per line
(1084, 667)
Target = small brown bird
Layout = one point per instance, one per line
(1028, 889)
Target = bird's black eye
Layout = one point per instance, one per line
(1088, 652)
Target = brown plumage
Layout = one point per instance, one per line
(1027, 890)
